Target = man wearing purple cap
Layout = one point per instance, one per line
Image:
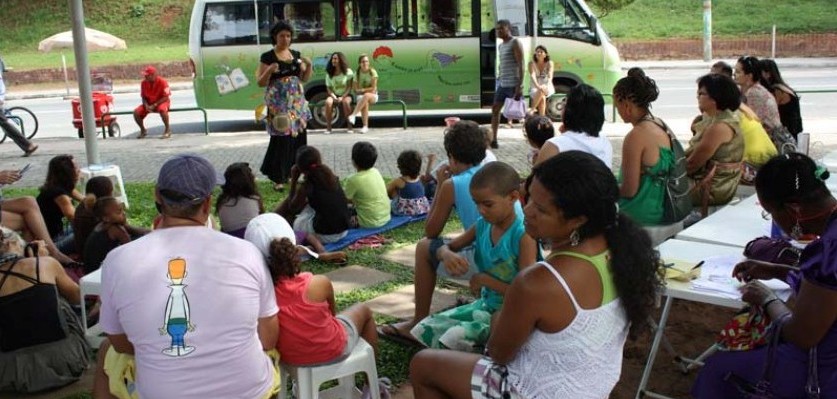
(155, 94)
(195, 307)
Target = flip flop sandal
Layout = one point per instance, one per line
(391, 333)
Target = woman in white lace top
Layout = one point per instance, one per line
(564, 322)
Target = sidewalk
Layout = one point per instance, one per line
(140, 160)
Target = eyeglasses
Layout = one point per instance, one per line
(766, 215)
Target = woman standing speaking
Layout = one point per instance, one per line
(283, 72)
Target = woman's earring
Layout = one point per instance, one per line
(796, 231)
(575, 238)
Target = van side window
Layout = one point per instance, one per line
(312, 20)
(229, 24)
(444, 18)
(370, 19)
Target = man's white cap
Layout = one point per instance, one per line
(263, 229)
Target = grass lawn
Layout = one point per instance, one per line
(394, 359)
(141, 53)
(660, 19)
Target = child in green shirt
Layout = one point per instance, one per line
(366, 189)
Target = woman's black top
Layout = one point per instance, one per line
(791, 116)
(286, 68)
(53, 217)
(30, 316)
(331, 209)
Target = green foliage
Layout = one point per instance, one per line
(605, 7)
(145, 22)
(660, 19)
(137, 10)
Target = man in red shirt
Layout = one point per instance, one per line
(155, 93)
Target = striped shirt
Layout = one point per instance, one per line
(509, 73)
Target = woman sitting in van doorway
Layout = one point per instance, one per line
(541, 71)
(366, 90)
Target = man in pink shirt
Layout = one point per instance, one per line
(155, 94)
(191, 310)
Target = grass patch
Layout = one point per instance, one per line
(395, 359)
(660, 19)
(142, 53)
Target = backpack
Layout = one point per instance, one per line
(677, 203)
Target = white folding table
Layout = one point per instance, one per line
(91, 284)
(733, 225)
(689, 251)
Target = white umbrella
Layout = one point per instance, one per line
(96, 41)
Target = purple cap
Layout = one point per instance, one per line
(187, 178)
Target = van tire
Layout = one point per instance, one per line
(318, 119)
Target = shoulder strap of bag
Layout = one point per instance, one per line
(812, 388)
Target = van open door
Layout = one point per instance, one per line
(513, 10)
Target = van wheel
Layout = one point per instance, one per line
(318, 120)
(555, 104)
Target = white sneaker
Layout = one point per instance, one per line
(352, 119)
(328, 131)
(364, 130)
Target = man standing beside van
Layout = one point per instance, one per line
(510, 75)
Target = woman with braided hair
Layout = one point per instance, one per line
(646, 152)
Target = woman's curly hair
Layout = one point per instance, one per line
(582, 185)
(283, 261)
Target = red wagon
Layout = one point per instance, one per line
(102, 86)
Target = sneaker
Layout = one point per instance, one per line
(384, 385)
(494, 144)
(328, 131)
(352, 119)
(364, 130)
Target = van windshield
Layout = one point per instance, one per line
(564, 18)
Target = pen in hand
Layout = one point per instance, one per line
(699, 264)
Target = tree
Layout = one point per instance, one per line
(606, 6)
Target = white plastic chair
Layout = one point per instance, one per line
(309, 378)
(661, 233)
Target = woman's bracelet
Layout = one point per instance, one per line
(769, 301)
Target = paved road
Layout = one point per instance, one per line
(235, 137)
(676, 101)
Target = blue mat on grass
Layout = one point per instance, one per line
(356, 234)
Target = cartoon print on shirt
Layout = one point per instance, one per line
(177, 320)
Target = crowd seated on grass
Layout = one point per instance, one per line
(564, 322)
(528, 332)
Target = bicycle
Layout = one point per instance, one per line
(25, 120)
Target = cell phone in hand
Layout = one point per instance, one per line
(24, 169)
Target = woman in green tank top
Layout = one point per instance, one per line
(646, 152)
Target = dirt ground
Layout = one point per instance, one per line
(691, 329)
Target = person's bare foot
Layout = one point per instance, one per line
(166, 135)
(334, 257)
